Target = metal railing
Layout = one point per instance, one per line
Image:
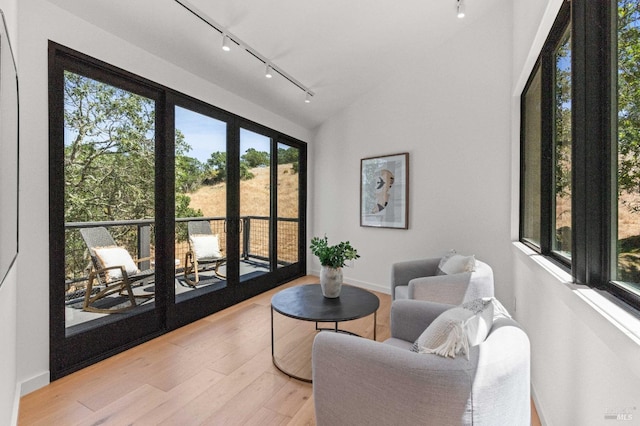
(137, 237)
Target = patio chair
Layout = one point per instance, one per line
(204, 252)
(112, 271)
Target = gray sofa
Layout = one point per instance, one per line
(357, 381)
(419, 279)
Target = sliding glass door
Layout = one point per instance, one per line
(255, 204)
(104, 237)
(164, 209)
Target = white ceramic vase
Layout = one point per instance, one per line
(331, 281)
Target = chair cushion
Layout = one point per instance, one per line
(205, 246)
(398, 343)
(457, 329)
(115, 256)
(402, 292)
(455, 263)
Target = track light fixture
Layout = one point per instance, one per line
(228, 38)
(460, 9)
(226, 43)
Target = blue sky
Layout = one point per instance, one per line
(206, 135)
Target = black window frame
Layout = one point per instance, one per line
(545, 66)
(594, 144)
(116, 333)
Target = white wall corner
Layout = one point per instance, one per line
(35, 383)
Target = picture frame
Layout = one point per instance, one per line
(384, 191)
(9, 159)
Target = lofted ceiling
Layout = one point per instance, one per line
(339, 49)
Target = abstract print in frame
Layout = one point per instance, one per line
(384, 191)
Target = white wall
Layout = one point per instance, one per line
(585, 363)
(8, 325)
(449, 108)
(40, 21)
(8, 292)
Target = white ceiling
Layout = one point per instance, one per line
(340, 49)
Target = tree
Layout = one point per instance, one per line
(255, 158)
(562, 118)
(188, 169)
(628, 96)
(289, 156)
(109, 152)
(216, 169)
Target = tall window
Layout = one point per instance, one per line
(589, 154)
(546, 146)
(531, 158)
(627, 242)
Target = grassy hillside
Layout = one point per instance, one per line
(254, 195)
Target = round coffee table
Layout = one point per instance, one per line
(306, 303)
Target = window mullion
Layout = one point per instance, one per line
(546, 165)
(591, 124)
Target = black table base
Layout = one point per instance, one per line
(307, 303)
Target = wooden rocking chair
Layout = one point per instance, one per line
(112, 270)
(204, 252)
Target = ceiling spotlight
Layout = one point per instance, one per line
(307, 98)
(268, 72)
(460, 9)
(226, 43)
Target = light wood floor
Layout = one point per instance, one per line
(217, 370)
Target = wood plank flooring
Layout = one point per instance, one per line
(217, 370)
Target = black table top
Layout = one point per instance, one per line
(306, 302)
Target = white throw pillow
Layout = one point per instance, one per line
(205, 246)
(457, 329)
(456, 263)
(115, 256)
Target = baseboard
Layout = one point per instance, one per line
(539, 408)
(363, 284)
(34, 383)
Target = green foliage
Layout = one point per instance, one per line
(245, 172)
(562, 118)
(254, 158)
(109, 152)
(628, 96)
(183, 210)
(215, 170)
(332, 256)
(289, 155)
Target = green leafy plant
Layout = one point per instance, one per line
(332, 256)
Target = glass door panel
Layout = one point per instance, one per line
(109, 199)
(255, 204)
(200, 203)
(288, 197)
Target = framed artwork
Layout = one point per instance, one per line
(384, 191)
(9, 158)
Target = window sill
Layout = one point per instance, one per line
(584, 301)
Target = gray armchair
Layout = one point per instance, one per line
(357, 381)
(419, 279)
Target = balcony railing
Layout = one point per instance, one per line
(138, 237)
